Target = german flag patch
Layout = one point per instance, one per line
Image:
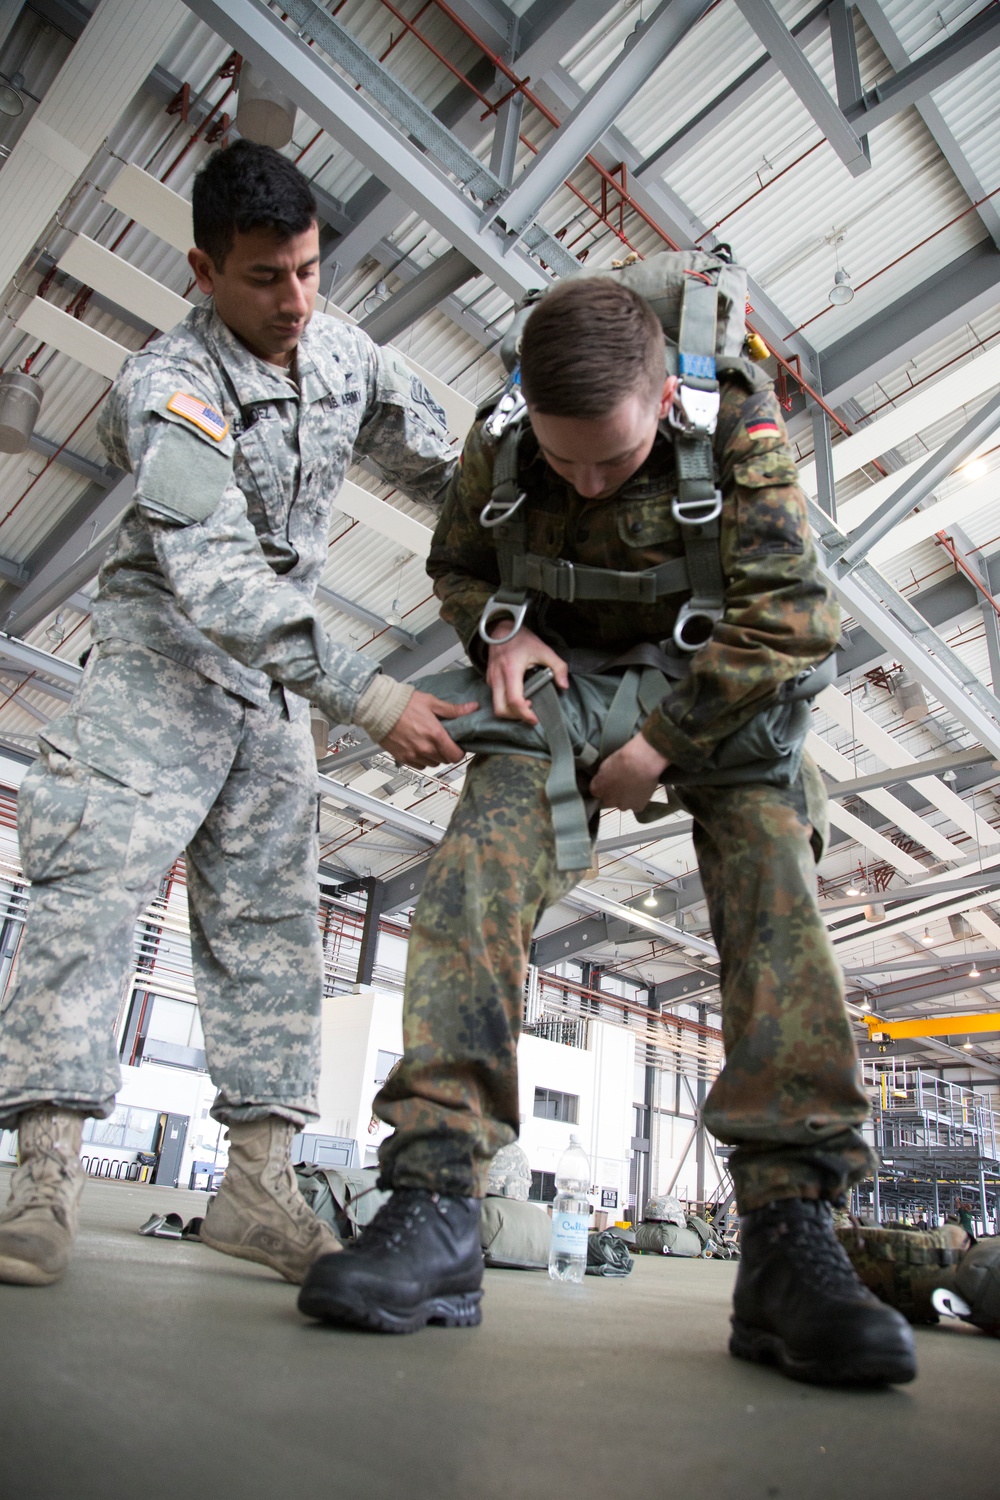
(764, 427)
(193, 410)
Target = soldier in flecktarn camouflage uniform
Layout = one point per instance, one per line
(190, 731)
(599, 474)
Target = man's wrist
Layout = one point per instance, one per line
(382, 705)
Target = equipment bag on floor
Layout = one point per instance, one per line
(977, 1280)
(607, 1254)
(668, 1239)
(345, 1198)
(904, 1267)
(515, 1235)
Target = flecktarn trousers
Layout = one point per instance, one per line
(788, 1098)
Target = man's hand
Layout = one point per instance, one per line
(629, 777)
(510, 661)
(419, 739)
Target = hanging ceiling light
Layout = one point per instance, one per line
(927, 936)
(911, 699)
(11, 97)
(841, 292)
(874, 912)
(20, 403)
(973, 972)
(651, 901)
(263, 114)
(966, 1045)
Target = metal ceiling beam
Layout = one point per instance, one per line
(104, 475)
(938, 466)
(881, 28)
(890, 997)
(566, 147)
(727, 103)
(356, 611)
(334, 104)
(806, 82)
(561, 91)
(429, 287)
(73, 562)
(936, 767)
(546, 31)
(950, 298)
(938, 605)
(902, 629)
(847, 71)
(969, 45)
(36, 660)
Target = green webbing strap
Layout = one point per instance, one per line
(696, 336)
(695, 465)
(639, 690)
(566, 581)
(574, 849)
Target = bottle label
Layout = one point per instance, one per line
(569, 1233)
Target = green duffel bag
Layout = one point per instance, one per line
(346, 1198)
(977, 1280)
(668, 1239)
(514, 1235)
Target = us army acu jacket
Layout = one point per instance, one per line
(780, 616)
(237, 468)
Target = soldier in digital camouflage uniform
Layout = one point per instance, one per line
(599, 475)
(190, 730)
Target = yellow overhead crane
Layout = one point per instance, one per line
(988, 1020)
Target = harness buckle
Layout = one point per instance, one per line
(560, 580)
(499, 609)
(495, 512)
(698, 512)
(694, 624)
(694, 410)
(507, 410)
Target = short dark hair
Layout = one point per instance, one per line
(248, 186)
(587, 346)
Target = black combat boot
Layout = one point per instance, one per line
(799, 1304)
(418, 1261)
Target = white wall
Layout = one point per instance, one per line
(601, 1077)
(355, 1028)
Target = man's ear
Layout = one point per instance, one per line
(204, 270)
(667, 395)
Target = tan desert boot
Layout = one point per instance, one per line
(39, 1223)
(259, 1213)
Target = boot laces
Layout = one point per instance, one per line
(45, 1181)
(396, 1221)
(819, 1257)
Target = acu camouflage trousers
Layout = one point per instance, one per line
(152, 760)
(788, 1097)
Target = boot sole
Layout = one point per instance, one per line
(460, 1310)
(862, 1367)
(25, 1273)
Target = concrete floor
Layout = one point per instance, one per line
(160, 1369)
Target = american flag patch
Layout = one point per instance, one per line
(763, 428)
(207, 418)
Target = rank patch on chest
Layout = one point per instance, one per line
(210, 421)
(763, 428)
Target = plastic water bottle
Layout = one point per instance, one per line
(570, 1215)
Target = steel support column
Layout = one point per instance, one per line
(597, 111)
(904, 631)
(915, 489)
(806, 82)
(375, 891)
